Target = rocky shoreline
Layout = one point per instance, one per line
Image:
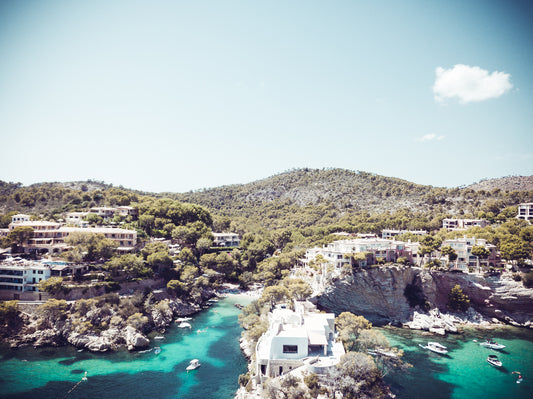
(120, 335)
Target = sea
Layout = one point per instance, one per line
(463, 373)
(213, 339)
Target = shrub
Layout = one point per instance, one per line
(527, 279)
(244, 379)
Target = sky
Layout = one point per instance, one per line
(171, 95)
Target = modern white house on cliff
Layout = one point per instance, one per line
(295, 338)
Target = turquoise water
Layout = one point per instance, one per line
(57, 372)
(464, 372)
(214, 339)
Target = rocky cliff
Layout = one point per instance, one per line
(389, 294)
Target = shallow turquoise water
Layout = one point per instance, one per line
(213, 339)
(464, 373)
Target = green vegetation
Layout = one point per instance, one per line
(457, 299)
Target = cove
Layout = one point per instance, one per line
(57, 372)
(464, 372)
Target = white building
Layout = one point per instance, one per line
(226, 240)
(463, 247)
(76, 218)
(50, 236)
(338, 253)
(22, 275)
(20, 218)
(388, 234)
(19, 277)
(463, 224)
(103, 211)
(302, 337)
(525, 211)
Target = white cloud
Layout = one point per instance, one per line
(430, 137)
(469, 84)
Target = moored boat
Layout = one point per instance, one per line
(193, 364)
(494, 361)
(435, 347)
(492, 344)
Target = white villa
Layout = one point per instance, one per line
(302, 337)
(525, 211)
(76, 218)
(388, 234)
(226, 239)
(463, 224)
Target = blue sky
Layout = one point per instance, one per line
(182, 95)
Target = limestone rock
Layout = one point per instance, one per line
(378, 295)
(135, 340)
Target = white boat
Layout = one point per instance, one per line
(159, 337)
(157, 350)
(493, 360)
(492, 344)
(182, 319)
(184, 324)
(193, 364)
(435, 347)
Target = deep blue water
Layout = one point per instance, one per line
(57, 372)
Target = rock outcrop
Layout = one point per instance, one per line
(379, 294)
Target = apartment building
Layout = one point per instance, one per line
(463, 247)
(338, 253)
(50, 236)
(19, 278)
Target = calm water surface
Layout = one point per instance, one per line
(464, 373)
(214, 339)
(57, 372)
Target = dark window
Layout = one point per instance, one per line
(290, 348)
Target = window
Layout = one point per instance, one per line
(290, 348)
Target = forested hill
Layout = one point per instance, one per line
(296, 199)
(340, 188)
(351, 191)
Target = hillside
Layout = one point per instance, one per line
(510, 183)
(354, 191)
(298, 198)
(340, 188)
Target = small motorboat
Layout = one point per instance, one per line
(159, 337)
(193, 364)
(435, 347)
(493, 361)
(182, 319)
(157, 350)
(184, 324)
(492, 344)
